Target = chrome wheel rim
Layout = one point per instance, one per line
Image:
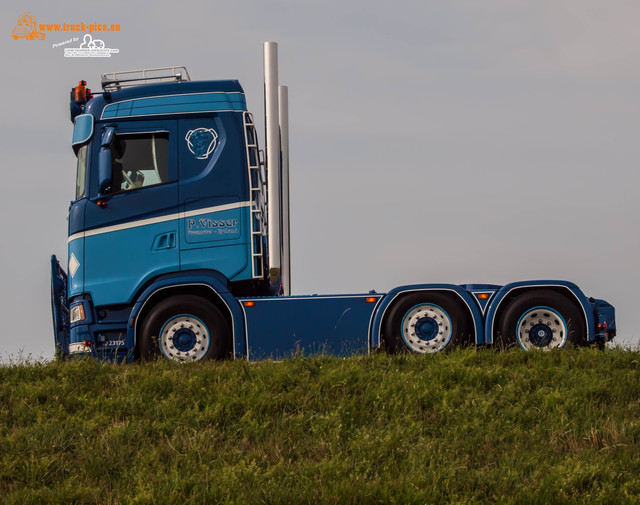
(184, 338)
(541, 328)
(426, 328)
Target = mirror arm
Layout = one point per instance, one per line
(104, 162)
(104, 171)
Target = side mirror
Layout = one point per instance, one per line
(104, 163)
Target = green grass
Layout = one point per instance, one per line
(473, 426)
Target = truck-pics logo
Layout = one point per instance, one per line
(26, 28)
(201, 142)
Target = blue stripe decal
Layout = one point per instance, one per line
(176, 104)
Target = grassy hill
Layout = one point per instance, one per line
(473, 426)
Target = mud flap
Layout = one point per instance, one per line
(59, 307)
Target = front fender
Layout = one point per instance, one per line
(212, 280)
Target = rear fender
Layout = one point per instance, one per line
(461, 294)
(568, 289)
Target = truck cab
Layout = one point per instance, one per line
(168, 181)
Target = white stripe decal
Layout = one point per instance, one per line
(156, 220)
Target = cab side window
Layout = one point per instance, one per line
(139, 160)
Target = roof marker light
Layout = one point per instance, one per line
(80, 92)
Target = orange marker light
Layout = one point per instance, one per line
(80, 92)
(370, 299)
(483, 296)
(248, 304)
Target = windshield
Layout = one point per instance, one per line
(81, 173)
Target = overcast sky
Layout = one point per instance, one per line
(431, 141)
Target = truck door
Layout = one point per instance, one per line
(131, 232)
(214, 196)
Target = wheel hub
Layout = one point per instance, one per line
(541, 335)
(184, 340)
(427, 329)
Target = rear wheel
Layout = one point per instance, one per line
(185, 328)
(542, 320)
(426, 323)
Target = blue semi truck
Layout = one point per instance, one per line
(179, 245)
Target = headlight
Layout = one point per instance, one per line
(76, 313)
(80, 347)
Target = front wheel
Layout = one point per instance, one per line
(185, 328)
(426, 323)
(542, 320)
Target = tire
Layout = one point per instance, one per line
(426, 323)
(185, 328)
(541, 319)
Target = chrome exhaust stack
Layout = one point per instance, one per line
(283, 96)
(277, 180)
